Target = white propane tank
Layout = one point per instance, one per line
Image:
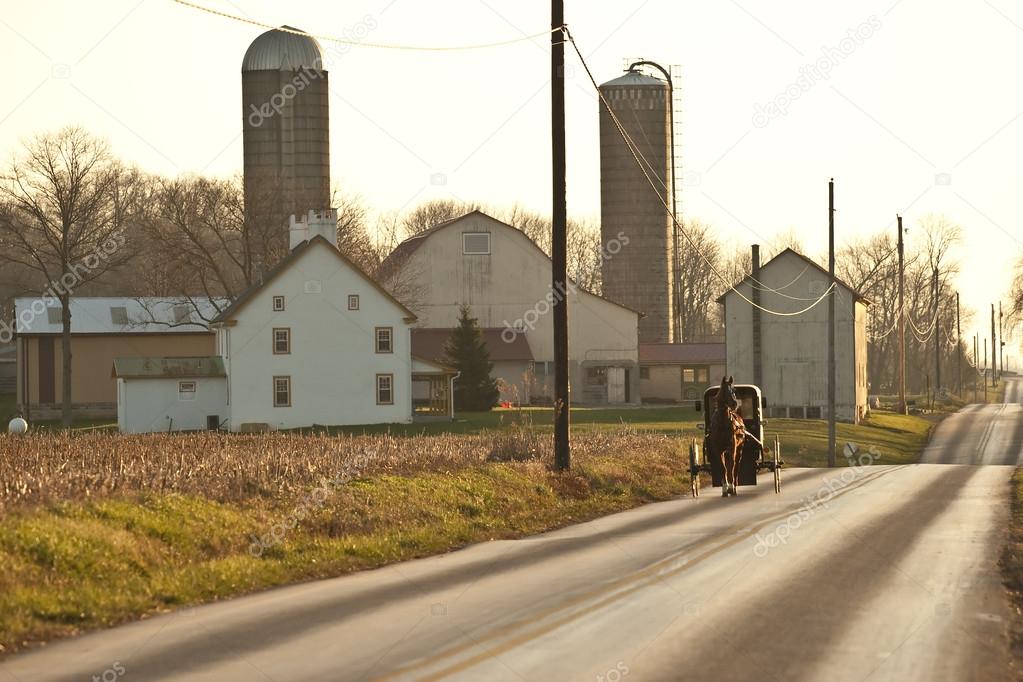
(17, 426)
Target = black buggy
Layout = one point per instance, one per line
(755, 455)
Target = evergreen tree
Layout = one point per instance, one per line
(466, 351)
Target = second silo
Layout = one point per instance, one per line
(639, 273)
(286, 136)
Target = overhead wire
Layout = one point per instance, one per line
(359, 43)
(636, 156)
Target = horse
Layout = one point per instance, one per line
(727, 434)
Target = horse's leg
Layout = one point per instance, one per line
(724, 472)
(736, 455)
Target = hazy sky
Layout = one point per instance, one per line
(920, 111)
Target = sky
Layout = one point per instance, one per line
(912, 106)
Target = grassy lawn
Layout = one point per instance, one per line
(1012, 563)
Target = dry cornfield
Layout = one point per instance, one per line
(44, 468)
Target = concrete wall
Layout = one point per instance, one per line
(333, 362)
(795, 348)
(155, 405)
(288, 151)
(639, 274)
(511, 286)
(92, 361)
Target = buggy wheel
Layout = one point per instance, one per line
(694, 471)
(777, 465)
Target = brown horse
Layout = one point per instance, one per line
(727, 434)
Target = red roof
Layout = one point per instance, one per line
(681, 353)
(503, 344)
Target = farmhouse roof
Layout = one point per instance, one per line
(160, 368)
(117, 315)
(289, 260)
(748, 278)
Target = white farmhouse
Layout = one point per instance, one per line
(505, 278)
(316, 342)
(787, 355)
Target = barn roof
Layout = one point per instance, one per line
(428, 344)
(162, 368)
(681, 353)
(748, 278)
(123, 315)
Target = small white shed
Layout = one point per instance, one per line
(170, 394)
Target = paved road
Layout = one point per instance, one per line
(982, 434)
(881, 573)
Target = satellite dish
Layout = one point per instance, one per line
(17, 426)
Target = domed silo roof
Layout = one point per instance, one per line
(633, 79)
(278, 50)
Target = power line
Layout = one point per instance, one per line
(636, 156)
(359, 43)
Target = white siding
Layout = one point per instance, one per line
(511, 286)
(154, 405)
(796, 347)
(333, 361)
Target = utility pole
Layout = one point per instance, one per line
(985, 370)
(1001, 342)
(976, 367)
(994, 352)
(959, 345)
(902, 322)
(937, 335)
(831, 324)
(559, 231)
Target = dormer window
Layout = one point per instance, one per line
(476, 243)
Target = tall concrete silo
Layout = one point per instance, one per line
(638, 274)
(286, 136)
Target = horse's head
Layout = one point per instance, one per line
(726, 394)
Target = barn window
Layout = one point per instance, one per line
(186, 390)
(385, 389)
(353, 301)
(119, 315)
(182, 314)
(688, 375)
(476, 243)
(703, 375)
(278, 304)
(385, 340)
(282, 341)
(54, 315)
(282, 391)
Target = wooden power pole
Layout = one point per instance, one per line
(559, 230)
(902, 322)
(959, 346)
(831, 325)
(994, 354)
(937, 335)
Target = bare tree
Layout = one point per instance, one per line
(434, 212)
(700, 284)
(66, 204)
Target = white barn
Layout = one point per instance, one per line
(793, 350)
(505, 278)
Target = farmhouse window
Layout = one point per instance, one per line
(688, 375)
(282, 391)
(385, 389)
(703, 375)
(353, 301)
(186, 390)
(282, 341)
(384, 340)
(278, 304)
